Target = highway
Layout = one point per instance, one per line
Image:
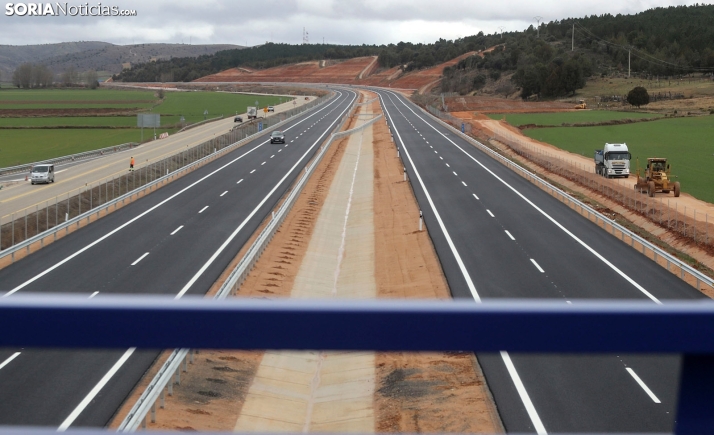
(17, 194)
(175, 241)
(499, 236)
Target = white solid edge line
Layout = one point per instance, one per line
(176, 230)
(489, 212)
(203, 209)
(643, 385)
(537, 424)
(9, 360)
(127, 223)
(97, 388)
(78, 410)
(139, 259)
(547, 216)
(255, 210)
(509, 235)
(523, 394)
(537, 266)
(93, 295)
(224, 193)
(454, 251)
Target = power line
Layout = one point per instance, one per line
(637, 53)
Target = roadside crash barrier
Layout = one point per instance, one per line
(673, 264)
(30, 229)
(170, 370)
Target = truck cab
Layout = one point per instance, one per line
(613, 160)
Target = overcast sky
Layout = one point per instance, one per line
(337, 21)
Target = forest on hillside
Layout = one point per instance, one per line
(659, 42)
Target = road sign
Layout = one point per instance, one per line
(265, 110)
(463, 127)
(148, 120)
(260, 126)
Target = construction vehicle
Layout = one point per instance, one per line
(613, 160)
(581, 105)
(252, 112)
(657, 178)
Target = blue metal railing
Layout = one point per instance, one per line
(518, 326)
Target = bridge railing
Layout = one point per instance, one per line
(685, 328)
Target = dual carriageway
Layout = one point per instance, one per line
(497, 236)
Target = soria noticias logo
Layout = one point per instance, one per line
(66, 9)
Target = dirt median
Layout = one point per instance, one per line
(416, 392)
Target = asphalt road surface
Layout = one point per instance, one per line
(175, 241)
(499, 236)
(18, 194)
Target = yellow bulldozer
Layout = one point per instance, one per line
(657, 177)
(581, 105)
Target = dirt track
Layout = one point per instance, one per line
(500, 131)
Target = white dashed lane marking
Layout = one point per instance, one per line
(139, 259)
(489, 213)
(262, 164)
(463, 183)
(224, 193)
(252, 171)
(537, 266)
(239, 181)
(475, 196)
(9, 360)
(509, 235)
(203, 209)
(176, 230)
(643, 385)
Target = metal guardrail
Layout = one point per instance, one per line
(70, 158)
(530, 326)
(146, 403)
(197, 124)
(698, 276)
(64, 226)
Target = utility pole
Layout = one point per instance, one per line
(572, 43)
(628, 63)
(501, 29)
(538, 18)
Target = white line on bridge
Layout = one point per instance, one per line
(139, 259)
(9, 360)
(643, 385)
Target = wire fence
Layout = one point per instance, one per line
(27, 223)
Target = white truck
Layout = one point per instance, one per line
(252, 112)
(613, 160)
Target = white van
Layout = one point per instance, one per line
(42, 174)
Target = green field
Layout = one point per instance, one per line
(23, 146)
(93, 121)
(75, 98)
(19, 146)
(192, 104)
(686, 142)
(560, 118)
